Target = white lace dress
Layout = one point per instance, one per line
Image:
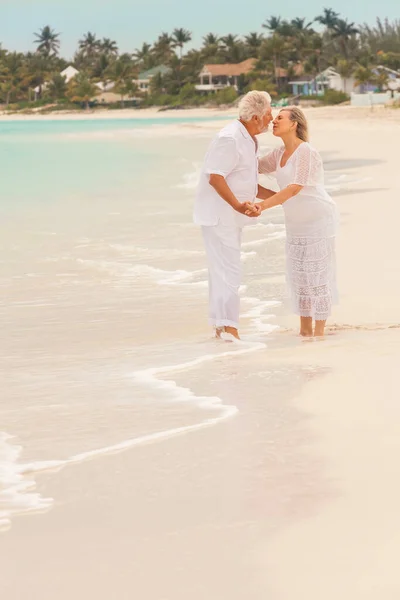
(311, 223)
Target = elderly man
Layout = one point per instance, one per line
(227, 189)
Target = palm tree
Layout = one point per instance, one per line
(48, 41)
(174, 79)
(329, 18)
(253, 43)
(193, 63)
(39, 67)
(180, 38)
(57, 88)
(274, 47)
(285, 29)
(108, 47)
(211, 40)
(100, 68)
(143, 56)
(13, 75)
(211, 49)
(233, 48)
(363, 76)
(272, 24)
(311, 65)
(121, 73)
(163, 48)
(343, 31)
(7, 88)
(229, 40)
(127, 89)
(82, 89)
(157, 84)
(299, 35)
(89, 45)
(300, 24)
(382, 79)
(315, 50)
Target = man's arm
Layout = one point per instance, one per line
(218, 182)
(264, 193)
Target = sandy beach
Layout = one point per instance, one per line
(295, 493)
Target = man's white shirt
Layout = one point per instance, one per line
(232, 154)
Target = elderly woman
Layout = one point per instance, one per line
(311, 221)
(228, 187)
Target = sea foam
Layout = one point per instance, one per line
(17, 495)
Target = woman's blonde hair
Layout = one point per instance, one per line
(297, 116)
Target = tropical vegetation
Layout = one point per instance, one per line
(281, 45)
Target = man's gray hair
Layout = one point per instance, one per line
(254, 104)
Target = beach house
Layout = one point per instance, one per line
(145, 77)
(69, 73)
(105, 87)
(219, 76)
(316, 85)
(392, 77)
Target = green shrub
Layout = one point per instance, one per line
(225, 96)
(334, 97)
(262, 84)
(158, 100)
(36, 104)
(311, 97)
(62, 106)
(187, 93)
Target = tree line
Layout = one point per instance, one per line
(282, 45)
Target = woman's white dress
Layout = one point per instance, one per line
(311, 224)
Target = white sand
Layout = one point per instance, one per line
(292, 498)
(348, 548)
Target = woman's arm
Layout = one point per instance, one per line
(280, 197)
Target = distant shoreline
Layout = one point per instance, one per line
(127, 113)
(348, 112)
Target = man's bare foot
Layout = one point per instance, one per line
(233, 331)
(218, 332)
(306, 333)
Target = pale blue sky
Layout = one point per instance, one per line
(131, 22)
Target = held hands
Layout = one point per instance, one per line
(250, 209)
(253, 210)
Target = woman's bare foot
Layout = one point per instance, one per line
(306, 327)
(218, 332)
(233, 331)
(319, 330)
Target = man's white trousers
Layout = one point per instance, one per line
(222, 243)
